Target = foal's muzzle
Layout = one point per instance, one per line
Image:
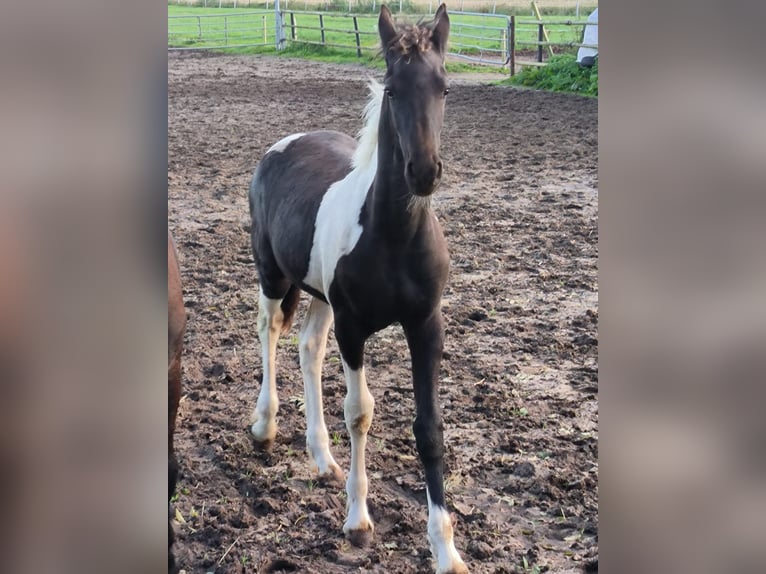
(423, 175)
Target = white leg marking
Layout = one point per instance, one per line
(313, 343)
(358, 410)
(284, 142)
(440, 536)
(270, 319)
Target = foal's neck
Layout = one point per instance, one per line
(396, 213)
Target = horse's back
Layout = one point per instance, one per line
(286, 191)
(302, 164)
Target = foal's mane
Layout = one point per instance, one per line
(366, 152)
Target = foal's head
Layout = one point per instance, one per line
(415, 92)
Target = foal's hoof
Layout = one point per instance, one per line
(263, 445)
(262, 440)
(333, 476)
(360, 538)
(459, 569)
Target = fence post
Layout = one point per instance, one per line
(512, 44)
(265, 41)
(539, 17)
(539, 42)
(225, 31)
(292, 25)
(279, 27)
(321, 27)
(199, 27)
(358, 45)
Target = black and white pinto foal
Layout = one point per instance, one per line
(352, 225)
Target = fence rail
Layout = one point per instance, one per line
(490, 39)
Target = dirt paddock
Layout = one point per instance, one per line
(519, 380)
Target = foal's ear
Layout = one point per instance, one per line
(440, 29)
(386, 27)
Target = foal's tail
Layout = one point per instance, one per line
(289, 305)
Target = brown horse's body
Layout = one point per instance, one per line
(176, 328)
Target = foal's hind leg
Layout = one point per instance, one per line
(313, 343)
(270, 321)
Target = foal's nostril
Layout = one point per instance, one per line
(410, 170)
(439, 169)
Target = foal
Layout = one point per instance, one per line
(352, 225)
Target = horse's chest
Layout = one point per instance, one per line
(380, 290)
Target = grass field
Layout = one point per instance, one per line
(197, 27)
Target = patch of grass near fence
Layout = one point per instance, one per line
(562, 74)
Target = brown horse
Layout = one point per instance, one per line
(176, 328)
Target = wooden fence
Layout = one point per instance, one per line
(496, 40)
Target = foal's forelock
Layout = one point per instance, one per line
(411, 38)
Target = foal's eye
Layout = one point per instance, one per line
(389, 93)
(446, 91)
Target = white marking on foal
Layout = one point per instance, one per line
(337, 228)
(270, 319)
(313, 343)
(358, 409)
(284, 142)
(440, 535)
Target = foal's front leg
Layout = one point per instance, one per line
(357, 409)
(426, 340)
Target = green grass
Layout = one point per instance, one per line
(562, 74)
(212, 29)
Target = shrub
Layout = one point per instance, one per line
(562, 74)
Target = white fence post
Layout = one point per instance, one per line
(278, 27)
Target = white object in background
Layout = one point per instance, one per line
(589, 37)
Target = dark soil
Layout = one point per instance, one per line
(519, 381)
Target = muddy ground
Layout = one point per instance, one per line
(519, 380)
